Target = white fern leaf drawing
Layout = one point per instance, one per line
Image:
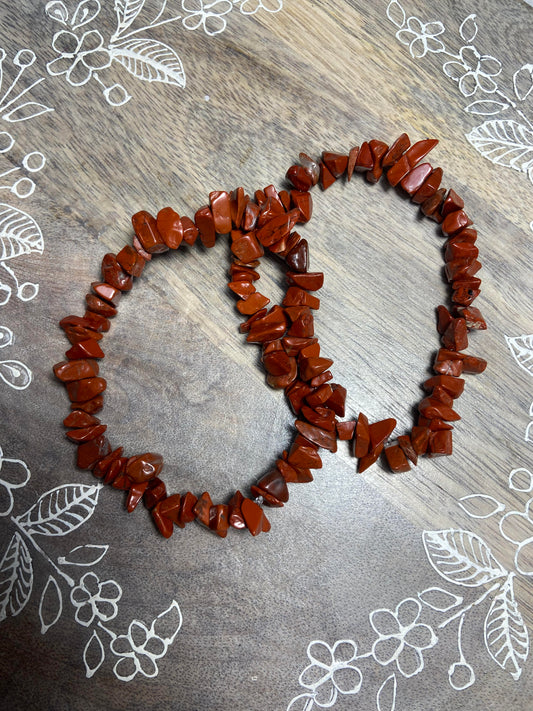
(16, 578)
(149, 60)
(461, 557)
(522, 349)
(61, 510)
(127, 11)
(506, 143)
(506, 635)
(19, 233)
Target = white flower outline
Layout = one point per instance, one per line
(325, 680)
(93, 598)
(421, 37)
(473, 71)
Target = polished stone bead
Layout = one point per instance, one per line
(242, 288)
(452, 202)
(454, 222)
(471, 364)
(252, 304)
(97, 322)
(95, 303)
(311, 166)
(202, 509)
(462, 268)
(107, 292)
(89, 453)
(362, 436)
(145, 227)
(429, 187)
(460, 250)
(79, 418)
(140, 249)
(163, 524)
(271, 192)
(156, 491)
(431, 408)
(135, 494)
(298, 257)
(309, 367)
(368, 459)
(345, 430)
(293, 344)
(170, 506)
(237, 204)
(434, 424)
(269, 209)
(91, 406)
(337, 400)
(464, 295)
(404, 441)
(131, 261)
(114, 274)
(254, 517)
(352, 157)
(81, 322)
(419, 439)
(455, 338)
(320, 395)
(396, 459)
(381, 431)
(115, 470)
(321, 417)
(203, 219)
(190, 231)
(440, 443)
(300, 297)
(400, 145)
(335, 162)
(447, 366)
(285, 198)
(86, 389)
(319, 380)
(273, 488)
(378, 150)
(326, 176)
(296, 395)
(260, 197)
(271, 326)
(88, 348)
(143, 467)
(320, 437)
(431, 207)
(251, 215)
(170, 227)
(419, 150)
(303, 202)
(235, 517)
(243, 273)
(246, 247)
(310, 281)
(104, 464)
(77, 334)
(444, 318)
(283, 381)
(398, 171)
(415, 178)
(277, 228)
(364, 161)
(278, 363)
(121, 482)
(70, 370)
(304, 454)
(246, 326)
(442, 395)
(186, 513)
(453, 386)
(221, 210)
(311, 350)
(218, 520)
(84, 434)
(293, 475)
(300, 177)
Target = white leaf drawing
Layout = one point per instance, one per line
(506, 143)
(127, 11)
(439, 599)
(84, 556)
(50, 605)
(61, 510)
(6, 337)
(149, 60)
(168, 623)
(19, 233)
(468, 29)
(16, 578)
(86, 12)
(506, 635)
(523, 81)
(522, 349)
(386, 696)
(480, 505)
(486, 107)
(302, 702)
(15, 374)
(396, 13)
(93, 655)
(57, 11)
(528, 437)
(461, 557)
(28, 110)
(521, 480)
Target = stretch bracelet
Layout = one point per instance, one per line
(285, 332)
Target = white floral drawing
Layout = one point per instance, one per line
(83, 53)
(95, 601)
(504, 141)
(12, 372)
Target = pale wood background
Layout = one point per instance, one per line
(313, 77)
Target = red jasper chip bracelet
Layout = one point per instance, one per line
(285, 332)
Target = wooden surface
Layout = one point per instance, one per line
(183, 382)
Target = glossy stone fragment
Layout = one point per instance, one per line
(218, 520)
(97, 321)
(145, 227)
(321, 417)
(414, 180)
(131, 261)
(253, 303)
(321, 395)
(273, 488)
(455, 222)
(114, 274)
(362, 436)
(453, 386)
(235, 517)
(300, 177)
(135, 495)
(242, 288)
(309, 367)
(455, 338)
(202, 509)
(337, 399)
(163, 524)
(326, 176)
(316, 435)
(303, 202)
(310, 281)
(404, 441)
(77, 334)
(186, 511)
(352, 157)
(104, 464)
(396, 459)
(84, 434)
(432, 408)
(91, 406)
(378, 150)
(381, 431)
(419, 150)
(452, 202)
(298, 257)
(190, 231)
(345, 430)
(253, 516)
(440, 443)
(203, 219)
(246, 247)
(400, 145)
(373, 455)
(170, 507)
(221, 210)
(429, 187)
(100, 306)
(419, 439)
(86, 389)
(398, 171)
(143, 467)
(311, 166)
(335, 162)
(107, 292)
(88, 348)
(70, 370)
(170, 227)
(431, 207)
(89, 453)
(471, 364)
(79, 418)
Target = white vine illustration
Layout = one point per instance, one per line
(56, 513)
(507, 141)
(83, 54)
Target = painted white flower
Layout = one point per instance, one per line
(78, 57)
(331, 671)
(95, 599)
(209, 15)
(517, 528)
(421, 37)
(473, 71)
(14, 474)
(250, 7)
(401, 638)
(139, 650)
